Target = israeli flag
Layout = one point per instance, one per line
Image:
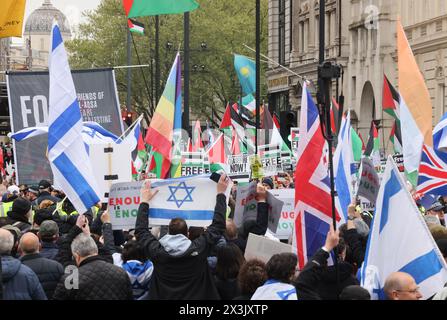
(343, 164)
(400, 241)
(68, 157)
(190, 198)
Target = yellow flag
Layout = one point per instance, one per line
(11, 18)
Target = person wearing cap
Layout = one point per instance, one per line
(45, 192)
(268, 183)
(437, 209)
(32, 194)
(20, 214)
(49, 235)
(8, 198)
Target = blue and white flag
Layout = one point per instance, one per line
(68, 157)
(132, 137)
(191, 198)
(400, 240)
(343, 164)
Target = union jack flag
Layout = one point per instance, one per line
(433, 166)
(313, 209)
(432, 173)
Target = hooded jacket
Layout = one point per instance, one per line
(180, 265)
(18, 220)
(19, 281)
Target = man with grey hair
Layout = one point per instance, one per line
(19, 281)
(94, 279)
(48, 271)
(401, 286)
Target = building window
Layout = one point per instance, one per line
(317, 31)
(354, 89)
(301, 41)
(282, 32)
(279, 101)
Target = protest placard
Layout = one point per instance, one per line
(247, 206)
(28, 107)
(399, 160)
(295, 137)
(192, 164)
(123, 202)
(369, 181)
(287, 219)
(239, 167)
(262, 248)
(271, 160)
(111, 163)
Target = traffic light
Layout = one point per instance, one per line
(288, 120)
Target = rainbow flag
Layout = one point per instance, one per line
(160, 133)
(415, 107)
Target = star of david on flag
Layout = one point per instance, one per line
(187, 197)
(190, 198)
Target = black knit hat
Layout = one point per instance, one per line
(21, 206)
(269, 182)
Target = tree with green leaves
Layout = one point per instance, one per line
(218, 30)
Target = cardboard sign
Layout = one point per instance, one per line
(239, 168)
(369, 181)
(262, 248)
(287, 219)
(111, 163)
(295, 137)
(257, 171)
(192, 164)
(286, 161)
(399, 160)
(247, 207)
(271, 160)
(123, 203)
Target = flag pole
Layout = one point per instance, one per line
(129, 128)
(258, 71)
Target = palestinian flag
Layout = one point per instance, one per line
(275, 120)
(272, 132)
(391, 100)
(231, 118)
(135, 26)
(141, 159)
(373, 141)
(396, 137)
(363, 142)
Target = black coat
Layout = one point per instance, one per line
(327, 287)
(49, 250)
(186, 276)
(228, 289)
(98, 280)
(48, 271)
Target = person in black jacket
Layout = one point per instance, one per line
(48, 271)
(229, 262)
(45, 192)
(64, 256)
(180, 265)
(19, 282)
(20, 214)
(97, 279)
(309, 278)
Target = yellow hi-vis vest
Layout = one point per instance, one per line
(6, 206)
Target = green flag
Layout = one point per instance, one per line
(142, 8)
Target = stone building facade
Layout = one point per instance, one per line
(361, 36)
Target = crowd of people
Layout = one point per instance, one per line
(50, 251)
